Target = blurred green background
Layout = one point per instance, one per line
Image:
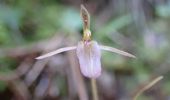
(29, 28)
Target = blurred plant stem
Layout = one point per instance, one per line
(149, 85)
(77, 77)
(94, 89)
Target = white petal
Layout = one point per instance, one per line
(56, 52)
(111, 49)
(89, 56)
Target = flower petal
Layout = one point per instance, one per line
(89, 56)
(56, 52)
(111, 49)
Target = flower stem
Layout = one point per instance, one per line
(94, 89)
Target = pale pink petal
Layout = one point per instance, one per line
(89, 56)
(56, 52)
(111, 49)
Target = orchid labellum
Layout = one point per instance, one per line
(87, 50)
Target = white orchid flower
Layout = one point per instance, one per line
(88, 51)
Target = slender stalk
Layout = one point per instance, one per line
(94, 89)
(77, 77)
(156, 80)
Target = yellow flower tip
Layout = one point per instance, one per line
(87, 35)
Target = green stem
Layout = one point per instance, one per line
(94, 89)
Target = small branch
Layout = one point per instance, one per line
(27, 49)
(19, 89)
(156, 80)
(20, 71)
(40, 64)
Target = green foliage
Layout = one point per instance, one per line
(7, 65)
(163, 10)
(114, 25)
(4, 37)
(27, 21)
(3, 86)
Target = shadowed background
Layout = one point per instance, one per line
(29, 28)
